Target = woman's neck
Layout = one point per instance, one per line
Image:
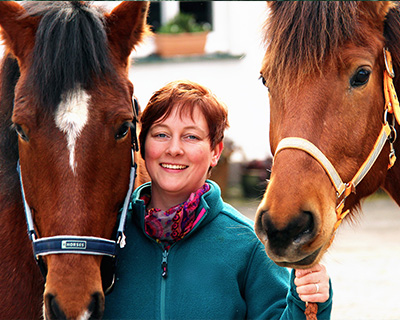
(166, 201)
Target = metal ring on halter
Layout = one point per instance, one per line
(393, 134)
(388, 69)
(385, 116)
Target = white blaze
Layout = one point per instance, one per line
(85, 316)
(71, 117)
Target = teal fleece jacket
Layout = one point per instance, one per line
(218, 271)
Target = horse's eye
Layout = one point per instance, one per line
(264, 82)
(21, 132)
(360, 78)
(122, 130)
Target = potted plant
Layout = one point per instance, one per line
(181, 36)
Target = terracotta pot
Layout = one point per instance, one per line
(169, 45)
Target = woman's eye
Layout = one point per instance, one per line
(21, 132)
(360, 78)
(192, 137)
(122, 130)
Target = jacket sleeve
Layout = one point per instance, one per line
(295, 304)
(270, 292)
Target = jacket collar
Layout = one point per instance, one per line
(211, 202)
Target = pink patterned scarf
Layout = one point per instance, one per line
(172, 225)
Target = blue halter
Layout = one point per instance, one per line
(77, 244)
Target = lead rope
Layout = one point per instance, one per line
(311, 311)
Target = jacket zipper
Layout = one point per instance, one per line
(164, 274)
(164, 264)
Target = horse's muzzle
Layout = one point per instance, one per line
(289, 245)
(54, 311)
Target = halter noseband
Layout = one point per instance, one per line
(84, 244)
(387, 134)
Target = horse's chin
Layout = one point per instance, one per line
(304, 263)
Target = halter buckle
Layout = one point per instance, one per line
(392, 158)
(388, 62)
(32, 235)
(121, 240)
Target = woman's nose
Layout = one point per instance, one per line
(175, 147)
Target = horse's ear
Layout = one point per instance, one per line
(272, 6)
(270, 3)
(17, 29)
(126, 27)
(378, 9)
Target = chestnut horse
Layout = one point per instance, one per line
(65, 113)
(333, 120)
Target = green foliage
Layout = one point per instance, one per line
(183, 22)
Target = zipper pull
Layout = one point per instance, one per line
(164, 264)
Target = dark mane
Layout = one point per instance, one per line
(71, 48)
(8, 137)
(301, 35)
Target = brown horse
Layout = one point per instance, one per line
(65, 113)
(332, 132)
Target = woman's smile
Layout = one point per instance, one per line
(173, 166)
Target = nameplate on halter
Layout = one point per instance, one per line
(73, 244)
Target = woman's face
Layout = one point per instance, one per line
(178, 154)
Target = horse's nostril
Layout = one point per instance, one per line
(306, 227)
(53, 311)
(260, 226)
(298, 231)
(96, 306)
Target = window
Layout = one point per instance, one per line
(201, 10)
(154, 17)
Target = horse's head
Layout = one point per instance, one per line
(72, 112)
(324, 68)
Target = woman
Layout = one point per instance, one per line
(189, 254)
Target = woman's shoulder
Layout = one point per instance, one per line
(236, 216)
(235, 228)
(226, 212)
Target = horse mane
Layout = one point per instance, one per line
(301, 36)
(71, 48)
(8, 137)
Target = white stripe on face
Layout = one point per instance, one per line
(85, 316)
(71, 117)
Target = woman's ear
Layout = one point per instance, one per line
(216, 154)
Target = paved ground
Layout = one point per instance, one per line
(363, 262)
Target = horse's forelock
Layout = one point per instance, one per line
(301, 35)
(71, 49)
